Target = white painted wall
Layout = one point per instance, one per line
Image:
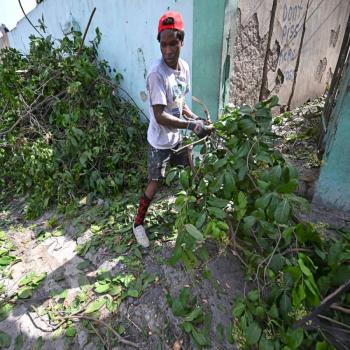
(129, 30)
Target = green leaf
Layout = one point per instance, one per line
(321, 346)
(193, 314)
(6, 260)
(334, 251)
(38, 278)
(298, 295)
(238, 309)
(102, 287)
(289, 187)
(249, 222)
(253, 333)
(247, 126)
(184, 296)
(95, 305)
(220, 332)
(217, 212)
(38, 344)
(285, 305)
(194, 232)
(294, 337)
(217, 202)
(115, 290)
(263, 201)
(304, 269)
(178, 308)
(25, 292)
(273, 312)
(220, 163)
(133, 293)
(242, 200)
(5, 340)
(83, 265)
(19, 342)
(187, 327)
(265, 344)
(214, 187)
(5, 310)
(199, 337)
(253, 295)
(263, 185)
(275, 174)
(184, 180)
(201, 220)
(272, 101)
(340, 275)
(229, 332)
(229, 184)
(277, 262)
(27, 279)
(282, 213)
(71, 331)
(170, 177)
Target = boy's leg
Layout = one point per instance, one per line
(145, 201)
(157, 161)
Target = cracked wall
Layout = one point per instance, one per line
(289, 48)
(248, 61)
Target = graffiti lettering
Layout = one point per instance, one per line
(292, 13)
(288, 74)
(291, 26)
(287, 55)
(290, 32)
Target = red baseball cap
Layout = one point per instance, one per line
(171, 20)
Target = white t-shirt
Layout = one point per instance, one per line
(167, 87)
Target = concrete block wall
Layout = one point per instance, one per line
(289, 48)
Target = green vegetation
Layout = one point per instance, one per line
(192, 317)
(66, 132)
(243, 196)
(64, 129)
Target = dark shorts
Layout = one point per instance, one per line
(159, 159)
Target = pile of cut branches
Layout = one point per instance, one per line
(64, 127)
(240, 194)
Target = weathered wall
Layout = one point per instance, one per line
(333, 188)
(324, 31)
(249, 50)
(210, 54)
(289, 48)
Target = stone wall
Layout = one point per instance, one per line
(289, 48)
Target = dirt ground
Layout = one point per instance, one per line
(60, 245)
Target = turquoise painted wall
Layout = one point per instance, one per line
(333, 186)
(208, 29)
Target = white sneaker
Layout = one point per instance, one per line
(141, 237)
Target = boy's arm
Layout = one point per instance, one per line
(167, 119)
(188, 114)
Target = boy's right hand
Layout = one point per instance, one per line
(199, 128)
